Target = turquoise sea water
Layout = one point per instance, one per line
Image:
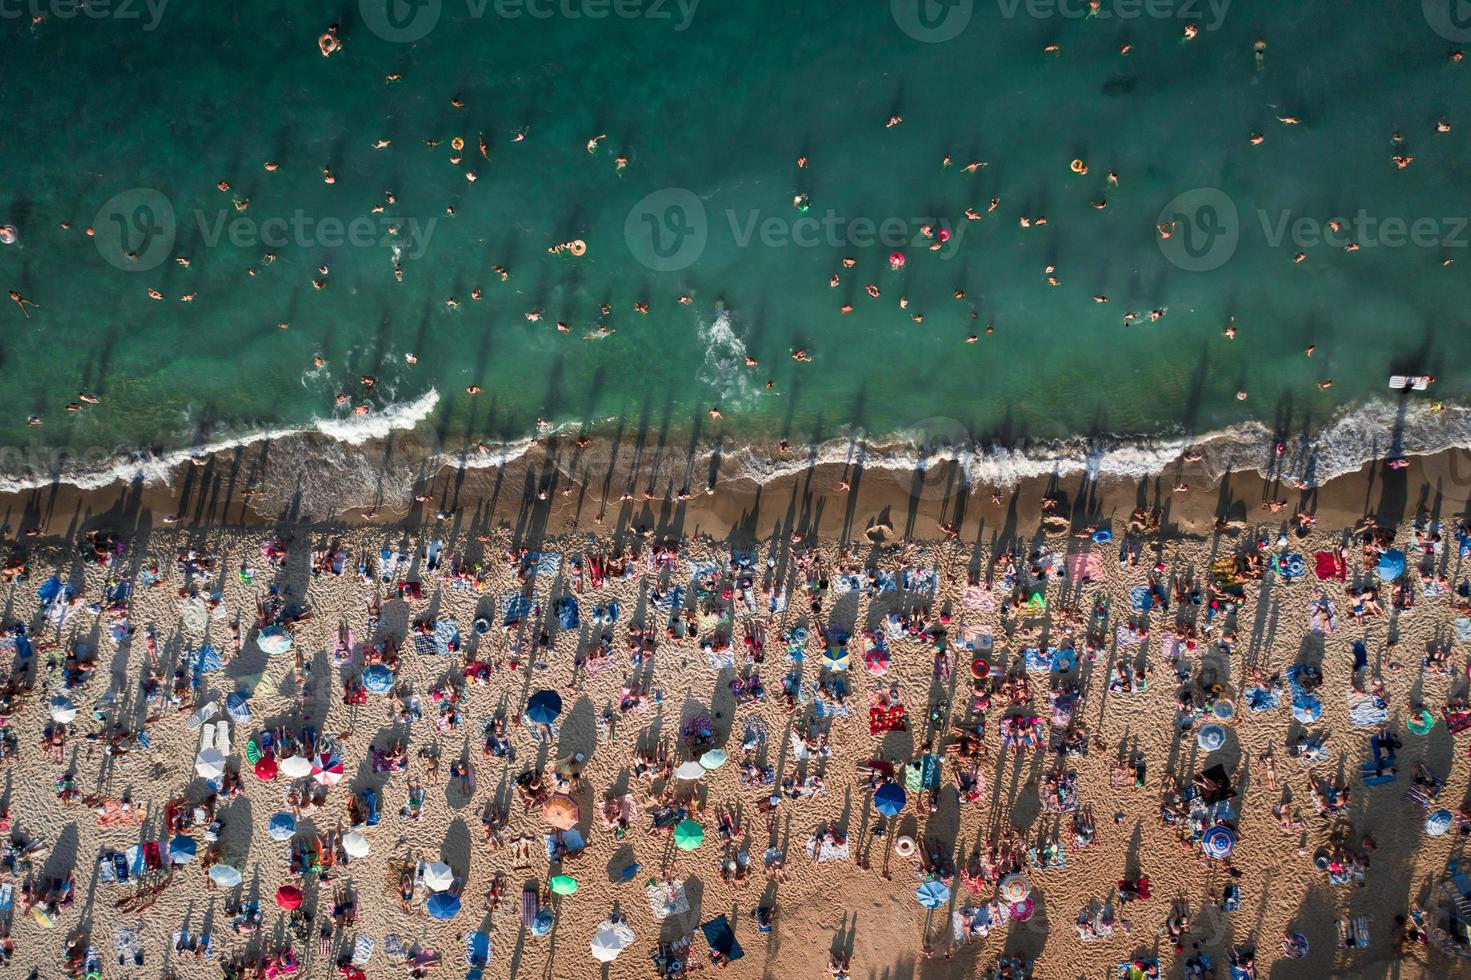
(111, 124)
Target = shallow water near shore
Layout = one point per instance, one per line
(719, 100)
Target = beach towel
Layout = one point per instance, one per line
(362, 950)
(826, 850)
(722, 660)
(1328, 565)
(919, 580)
(1127, 637)
(515, 607)
(113, 815)
(1290, 566)
(721, 938)
(884, 581)
(1462, 626)
(567, 613)
(544, 562)
(1039, 661)
(1319, 609)
(666, 898)
(978, 597)
(1367, 710)
(207, 660)
(49, 589)
(1084, 566)
(672, 599)
(129, 946)
(1259, 700)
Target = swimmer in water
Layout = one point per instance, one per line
(22, 302)
(592, 144)
(801, 356)
(893, 121)
(520, 134)
(472, 390)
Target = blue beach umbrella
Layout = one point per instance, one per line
(1218, 841)
(542, 924)
(1391, 565)
(544, 707)
(282, 826)
(889, 799)
(378, 679)
(932, 894)
(443, 905)
(1438, 823)
(182, 850)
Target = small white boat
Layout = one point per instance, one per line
(1418, 382)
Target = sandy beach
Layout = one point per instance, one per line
(861, 904)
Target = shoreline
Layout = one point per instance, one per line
(555, 486)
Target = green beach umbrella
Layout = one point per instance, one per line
(688, 835)
(563, 884)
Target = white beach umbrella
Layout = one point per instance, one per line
(438, 877)
(610, 940)
(355, 844)
(62, 710)
(210, 763)
(690, 770)
(295, 767)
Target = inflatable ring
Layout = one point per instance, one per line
(328, 44)
(980, 669)
(1103, 535)
(1078, 167)
(904, 846)
(578, 247)
(8, 235)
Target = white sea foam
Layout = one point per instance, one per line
(358, 429)
(725, 369)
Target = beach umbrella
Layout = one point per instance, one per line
(438, 876)
(606, 945)
(1013, 888)
(378, 679)
(561, 811)
(295, 766)
(563, 884)
(327, 768)
(265, 767)
(713, 759)
(210, 763)
(876, 661)
(689, 770)
(355, 844)
(541, 923)
(1420, 722)
(1391, 565)
(889, 799)
(544, 707)
(443, 905)
(1022, 911)
(182, 850)
(274, 640)
(225, 876)
(1218, 841)
(932, 894)
(1438, 823)
(1210, 737)
(282, 826)
(688, 835)
(835, 658)
(288, 897)
(62, 710)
